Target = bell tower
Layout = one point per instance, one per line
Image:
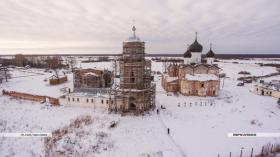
(136, 91)
(132, 73)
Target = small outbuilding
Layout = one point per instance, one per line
(268, 89)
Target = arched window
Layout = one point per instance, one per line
(132, 77)
(132, 103)
(202, 85)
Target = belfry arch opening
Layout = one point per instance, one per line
(132, 103)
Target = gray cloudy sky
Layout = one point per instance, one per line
(167, 26)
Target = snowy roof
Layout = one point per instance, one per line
(276, 87)
(201, 77)
(86, 94)
(91, 73)
(55, 76)
(277, 82)
(271, 85)
(198, 65)
(170, 79)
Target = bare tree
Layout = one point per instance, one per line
(4, 74)
(54, 63)
(20, 60)
(72, 62)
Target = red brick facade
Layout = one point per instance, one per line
(175, 80)
(31, 97)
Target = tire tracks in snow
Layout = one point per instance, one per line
(181, 152)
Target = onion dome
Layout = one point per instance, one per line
(188, 54)
(210, 53)
(195, 46)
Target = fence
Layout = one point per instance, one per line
(269, 150)
(199, 103)
(31, 97)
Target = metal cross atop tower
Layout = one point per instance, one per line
(133, 28)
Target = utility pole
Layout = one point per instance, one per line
(252, 152)
(5, 71)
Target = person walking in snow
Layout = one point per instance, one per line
(168, 131)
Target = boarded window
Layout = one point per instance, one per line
(69, 99)
(107, 101)
(87, 100)
(73, 99)
(78, 99)
(102, 101)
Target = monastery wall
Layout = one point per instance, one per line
(31, 97)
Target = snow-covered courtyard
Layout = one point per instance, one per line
(199, 126)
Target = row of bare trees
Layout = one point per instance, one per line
(49, 62)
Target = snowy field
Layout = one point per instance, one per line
(198, 125)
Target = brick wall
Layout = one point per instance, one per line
(31, 97)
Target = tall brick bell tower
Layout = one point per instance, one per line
(136, 92)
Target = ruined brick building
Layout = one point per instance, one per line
(136, 92)
(91, 89)
(92, 78)
(193, 78)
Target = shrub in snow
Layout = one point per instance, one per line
(101, 135)
(68, 144)
(222, 75)
(76, 139)
(244, 73)
(176, 94)
(253, 122)
(270, 150)
(3, 124)
(113, 124)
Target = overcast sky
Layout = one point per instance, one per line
(167, 26)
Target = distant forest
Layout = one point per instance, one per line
(218, 56)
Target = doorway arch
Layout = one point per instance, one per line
(132, 103)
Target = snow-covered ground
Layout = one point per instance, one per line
(198, 125)
(35, 81)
